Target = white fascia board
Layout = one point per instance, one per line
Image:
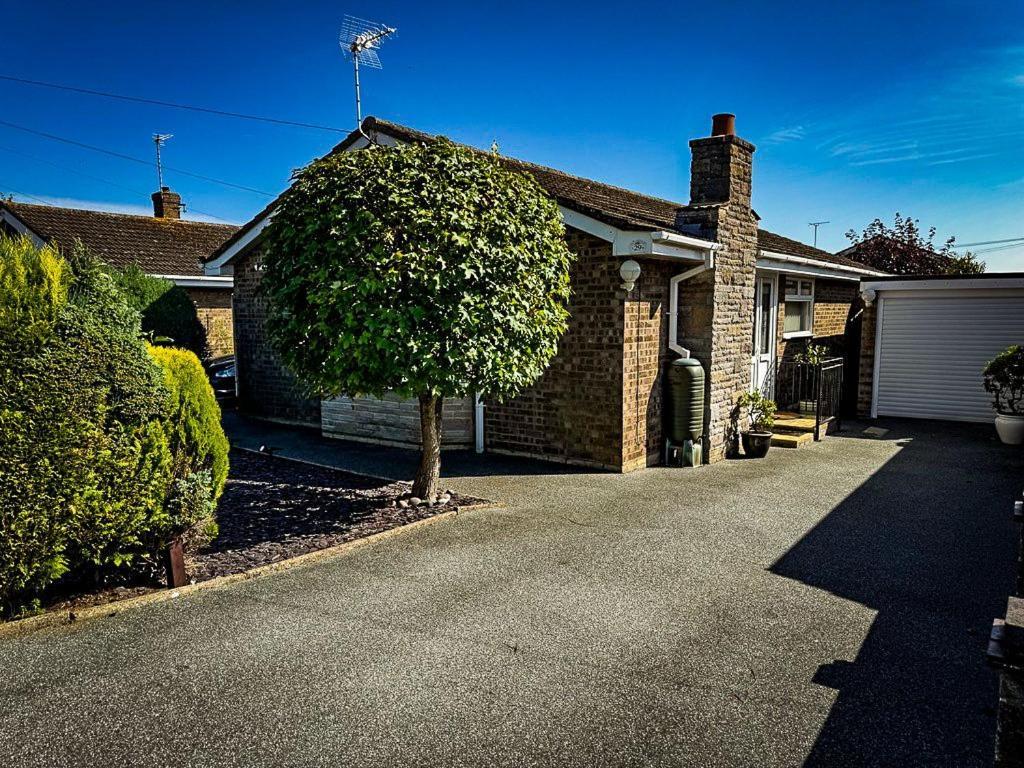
(213, 268)
(200, 281)
(788, 263)
(944, 284)
(21, 227)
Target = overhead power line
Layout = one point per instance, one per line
(12, 190)
(989, 242)
(101, 179)
(171, 104)
(131, 158)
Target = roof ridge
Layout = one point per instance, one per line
(140, 216)
(549, 169)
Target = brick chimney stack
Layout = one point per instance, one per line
(719, 328)
(166, 204)
(721, 165)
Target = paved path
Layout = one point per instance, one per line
(827, 607)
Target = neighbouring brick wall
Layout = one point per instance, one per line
(213, 308)
(832, 302)
(867, 360)
(265, 387)
(394, 420)
(574, 411)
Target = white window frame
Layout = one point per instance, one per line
(801, 299)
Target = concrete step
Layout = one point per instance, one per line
(783, 440)
(793, 422)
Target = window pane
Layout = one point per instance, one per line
(766, 314)
(793, 317)
(790, 286)
(798, 317)
(806, 287)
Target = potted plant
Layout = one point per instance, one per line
(1004, 380)
(761, 413)
(811, 356)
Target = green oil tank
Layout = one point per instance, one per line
(684, 414)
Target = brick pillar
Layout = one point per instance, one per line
(719, 210)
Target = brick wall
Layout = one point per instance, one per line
(213, 308)
(574, 411)
(265, 388)
(832, 302)
(867, 360)
(392, 420)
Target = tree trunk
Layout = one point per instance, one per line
(429, 473)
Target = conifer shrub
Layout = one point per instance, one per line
(198, 445)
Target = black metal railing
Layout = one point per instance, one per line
(811, 389)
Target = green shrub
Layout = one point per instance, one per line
(85, 462)
(42, 450)
(197, 441)
(167, 310)
(1004, 380)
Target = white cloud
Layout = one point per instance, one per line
(784, 136)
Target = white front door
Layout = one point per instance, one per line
(766, 307)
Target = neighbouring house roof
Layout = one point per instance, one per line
(618, 207)
(157, 246)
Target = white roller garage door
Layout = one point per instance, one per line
(932, 344)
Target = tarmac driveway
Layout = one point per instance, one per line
(827, 607)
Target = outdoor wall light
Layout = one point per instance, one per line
(868, 295)
(629, 272)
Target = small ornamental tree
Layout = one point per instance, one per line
(903, 249)
(428, 270)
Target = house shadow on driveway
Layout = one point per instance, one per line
(928, 542)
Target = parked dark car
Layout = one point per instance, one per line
(221, 371)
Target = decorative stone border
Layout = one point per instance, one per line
(68, 617)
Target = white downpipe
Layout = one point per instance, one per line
(673, 301)
(478, 424)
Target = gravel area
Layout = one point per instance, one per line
(274, 508)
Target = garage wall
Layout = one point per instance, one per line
(931, 345)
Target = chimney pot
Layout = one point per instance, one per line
(723, 124)
(166, 204)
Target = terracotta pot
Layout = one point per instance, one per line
(1010, 428)
(756, 444)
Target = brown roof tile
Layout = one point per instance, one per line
(158, 246)
(612, 205)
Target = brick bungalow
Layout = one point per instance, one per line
(163, 245)
(745, 297)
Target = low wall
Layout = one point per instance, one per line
(393, 420)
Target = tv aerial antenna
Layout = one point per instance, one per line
(360, 40)
(816, 224)
(159, 139)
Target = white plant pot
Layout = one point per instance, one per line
(1010, 428)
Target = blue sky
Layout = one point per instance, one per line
(857, 112)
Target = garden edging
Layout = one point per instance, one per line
(69, 617)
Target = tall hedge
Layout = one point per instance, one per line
(101, 456)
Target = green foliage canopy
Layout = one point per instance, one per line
(424, 269)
